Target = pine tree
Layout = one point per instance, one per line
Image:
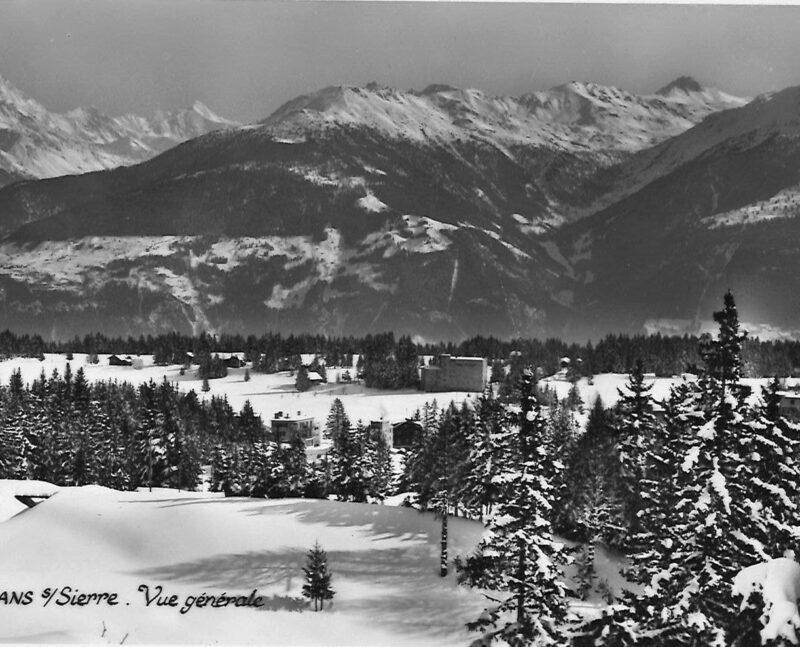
(220, 470)
(563, 443)
(381, 485)
(595, 519)
(250, 426)
(719, 494)
(337, 421)
(290, 470)
(302, 383)
(519, 557)
(593, 458)
(723, 355)
(317, 587)
(351, 462)
(635, 427)
(480, 490)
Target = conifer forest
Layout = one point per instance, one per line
(690, 490)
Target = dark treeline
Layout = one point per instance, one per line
(390, 362)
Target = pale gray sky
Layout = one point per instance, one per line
(245, 58)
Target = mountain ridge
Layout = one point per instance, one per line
(440, 213)
(36, 143)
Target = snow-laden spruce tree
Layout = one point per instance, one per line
(695, 538)
(772, 448)
(595, 518)
(317, 587)
(719, 494)
(518, 558)
(480, 487)
(288, 470)
(351, 462)
(337, 421)
(734, 499)
(635, 427)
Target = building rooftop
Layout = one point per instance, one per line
(288, 417)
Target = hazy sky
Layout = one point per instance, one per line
(245, 58)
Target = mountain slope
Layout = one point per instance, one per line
(714, 208)
(353, 210)
(337, 233)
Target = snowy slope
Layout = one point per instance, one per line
(384, 562)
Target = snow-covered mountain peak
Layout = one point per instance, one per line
(206, 113)
(15, 103)
(681, 84)
(578, 116)
(39, 143)
(436, 88)
(687, 92)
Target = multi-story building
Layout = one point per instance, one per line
(285, 427)
(455, 374)
(383, 428)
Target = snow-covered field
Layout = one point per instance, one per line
(606, 385)
(384, 562)
(268, 393)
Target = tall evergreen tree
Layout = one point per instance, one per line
(519, 559)
(337, 421)
(635, 428)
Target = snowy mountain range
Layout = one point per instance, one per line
(441, 213)
(575, 117)
(37, 143)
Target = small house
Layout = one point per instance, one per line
(315, 378)
(116, 360)
(232, 360)
(406, 434)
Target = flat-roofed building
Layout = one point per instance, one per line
(286, 427)
(455, 374)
